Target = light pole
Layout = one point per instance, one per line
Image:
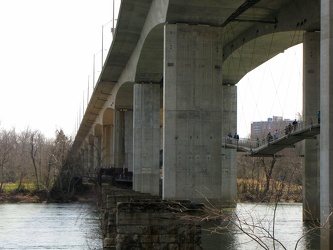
(112, 31)
(94, 67)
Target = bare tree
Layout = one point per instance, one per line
(6, 149)
(260, 228)
(34, 147)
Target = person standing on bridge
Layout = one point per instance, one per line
(318, 116)
(295, 125)
(269, 137)
(276, 135)
(290, 128)
(229, 138)
(236, 137)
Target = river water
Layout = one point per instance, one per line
(77, 226)
(260, 228)
(49, 226)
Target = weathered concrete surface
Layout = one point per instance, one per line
(133, 220)
(194, 111)
(146, 138)
(311, 106)
(326, 135)
(156, 225)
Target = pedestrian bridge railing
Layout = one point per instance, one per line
(298, 131)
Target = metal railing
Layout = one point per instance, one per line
(278, 134)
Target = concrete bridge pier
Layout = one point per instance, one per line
(311, 106)
(123, 143)
(195, 111)
(326, 123)
(128, 140)
(107, 150)
(91, 153)
(146, 138)
(98, 148)
(119, 147)
(229, 156)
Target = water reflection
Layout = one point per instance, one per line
(49, 226)
(260, 229)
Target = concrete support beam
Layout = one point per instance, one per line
(326, 123)
(119, 149)
(311, 106)
(98, 151)
(129, 140)
(108, 159)
(91, 156)
(229, 156)
(193, 115)
(86, 156)
(124, 140)
(146, 138)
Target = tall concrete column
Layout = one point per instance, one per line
(119, 147)
(91, 155)
(326, 123)
(146, 138)
(129, 140)
(311, 106)
(86, 156)
(229, 156)
(107, 150)
(98, 152)
(193, 115)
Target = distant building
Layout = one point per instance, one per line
(262, 128)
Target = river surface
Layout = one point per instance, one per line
(77, 226)
(260, 228)
(49, 226)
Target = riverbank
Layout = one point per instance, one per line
(22, 196)
(28, 196)
(88, 194)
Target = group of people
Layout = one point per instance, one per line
(292, 126)
(269, 138)
(275, 136)
(229, 138)
(288, 129)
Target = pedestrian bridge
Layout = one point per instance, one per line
(286, 139)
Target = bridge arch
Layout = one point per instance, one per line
(280, 30)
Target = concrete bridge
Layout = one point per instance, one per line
(169, 85)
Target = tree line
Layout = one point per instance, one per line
(29, 158)
(271, 178)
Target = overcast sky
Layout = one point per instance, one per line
(47, 50)
(273, 89)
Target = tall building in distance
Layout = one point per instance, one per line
(262, 128)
